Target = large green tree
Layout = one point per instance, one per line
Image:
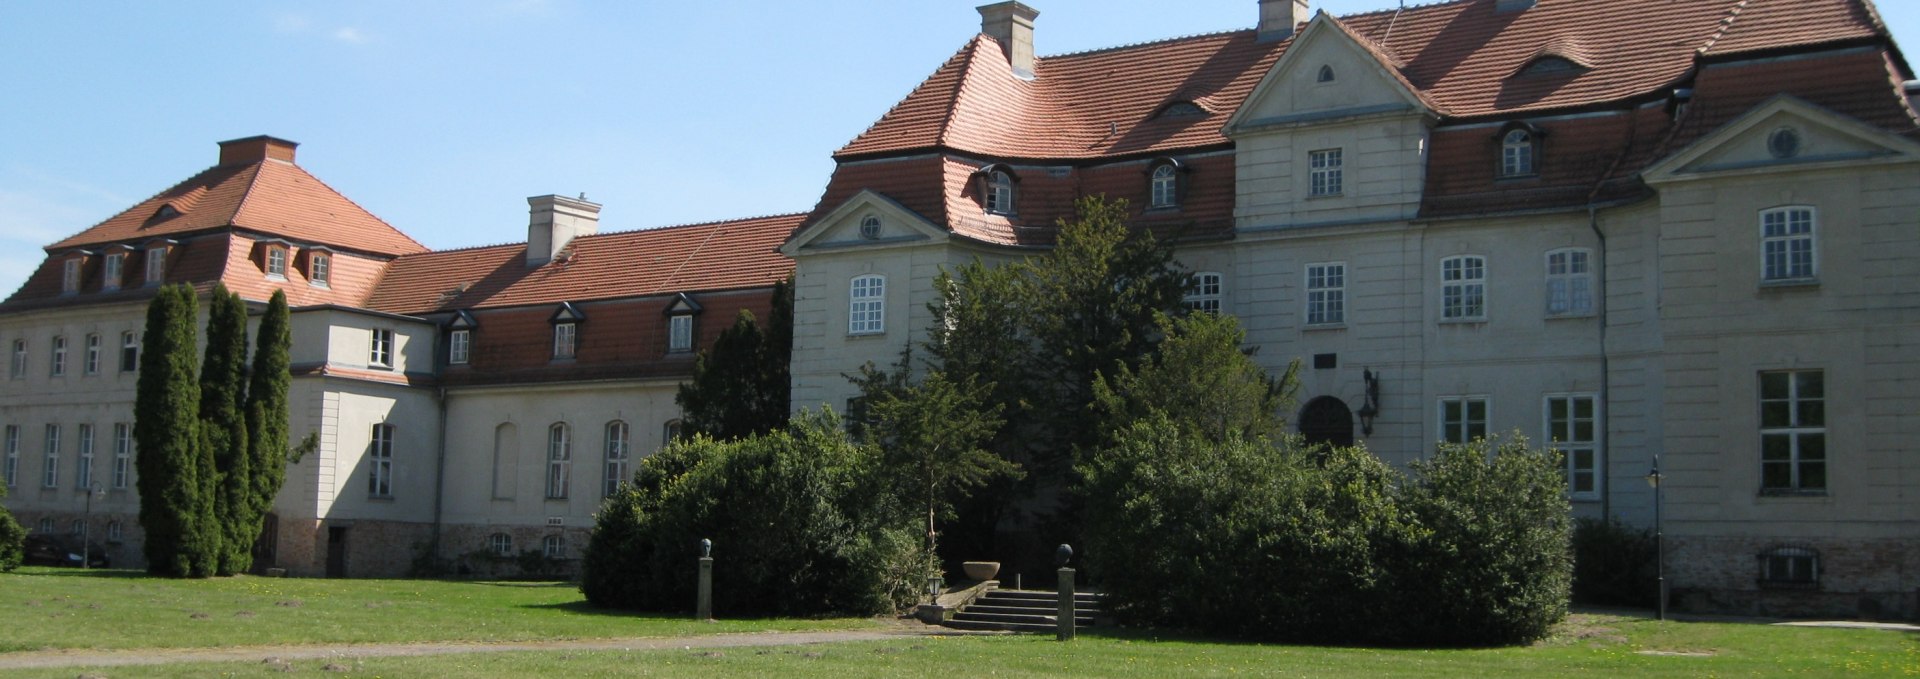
(930, 437)
(741, 385)
(1203, 380)
(223, 395)
(267, 413)
(166, 426)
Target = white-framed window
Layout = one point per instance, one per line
(12, 444)
(999, 193)
(129, 352)
(1327, 293)
(870, 227)
(565, 336)
(501, 544)
(110, 271)
(115, 532)
(670, 432)
(1570, 282)
(45, 525)
(380, 348)
(1516, 153)
(70, 276)
(319, 269)
(554, 547)
(1325, 169)
(380, 461)
(1463, 418)
(1463, 288)
(1786, 244)
(867, 305)
(1793, 431)
(276, 261)
(1573, 428)
(559, 460)
(1165, 186)
(122, 455)
(90, 360)
(156, 265)
(619, 455)
(680, 333)
(459, 346)
(59, 356)
(1205, 293)
(83, 473)
(50, 471)
(19, 364)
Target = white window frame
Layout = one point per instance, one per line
(669, 432)
(1165, 186)
(566, 338)
(500, 544)
(1207, 291)
(1463, 288)
(59, 356)
(1784, 246)
(277, 262)
(319, 269)
(156, 265)
(999, 193)
(1463, 428)
(1326, 287)
(1517, 152)
(19, 367)
(90, 358)
(619, 453)
(122, 455)
(129, 352)
(45, 526)
(867, 305)
(12, 444)
(1796, 431)
(83, 471)
(559, 460)
(459, 346)
(50, 471)
(70, 276)
(1326, 176)
(554, 547)
(115, 533)
(380, 461)
(1570, 278)
(680, 333)
(380, 348)
(111, 270)
(1563, 433)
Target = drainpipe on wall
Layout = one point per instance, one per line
(439, 476)
(1606, 372)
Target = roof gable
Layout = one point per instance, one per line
(842, 227)
(1752, 144)
(1363, 79)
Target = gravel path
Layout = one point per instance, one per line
(271, 654)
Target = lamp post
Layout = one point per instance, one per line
(86, 528)
(1659, 545)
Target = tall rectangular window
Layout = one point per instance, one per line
(1786, 244)
(680, 333)
(19, 364)
(156, 265)
(380, 351)
(380, 461)
(1463, 288)
(619, 454)
(1463, 419)
(1327, 293)
(559, 460)
(59, 356)
(90, 363)
(129, 352)
(83, 474)
(1573, 429)
(319, 269)
(276, 262)
(1793, 431)
(1205, 295)
(459, 346)
(70, 276)
(1326, 173)
(110, 271)
(564, 337)
(866, 310)
(1569, 282)
(50, 471)
(122, 455)
(13, 455)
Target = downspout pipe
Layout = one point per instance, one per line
(439, 477)
(1606, 372)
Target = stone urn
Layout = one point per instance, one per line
(980, 571)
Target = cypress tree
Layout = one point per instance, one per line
(223, 382)
(267, 413)
(166, 426)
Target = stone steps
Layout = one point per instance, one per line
(1023, 611)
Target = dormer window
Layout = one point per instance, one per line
(1548, 65)
(1182, 109)
(319, 267)
(70, 276)
(1165, 183)
(167, 211)
(156, 264)
(111, 269)
(1325, 75)
(997, 190)
(1516, 154)
(277, 261)
(566, 330)
(460, 338)
(680, 314)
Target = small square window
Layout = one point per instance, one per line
(276, 262)
(380, 351)
(1463, 419)
(501, 544)
(320, 269)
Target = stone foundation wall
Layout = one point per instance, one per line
(465, 551)
(1858, 578)
(122, 553)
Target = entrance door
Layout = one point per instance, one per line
(266, 547)
(1327, 420)
(337, 551)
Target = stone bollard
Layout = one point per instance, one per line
(1064, 623)
(703, 609)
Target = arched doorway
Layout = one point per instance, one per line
(1327, 420)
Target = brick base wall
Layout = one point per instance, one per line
(1858, 578)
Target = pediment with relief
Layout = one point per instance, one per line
(1327, 72)
(1783, 134)
(865, 220)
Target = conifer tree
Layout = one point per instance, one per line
(741, 385)
(267, 413)
(166, 426)
(223, 396)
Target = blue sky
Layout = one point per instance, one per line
(442, 117)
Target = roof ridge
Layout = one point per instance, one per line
(915, 90)
(329, 187)
(247, 194)
(691, 225)
(143, 201)
(972, 50)
(1148, 43)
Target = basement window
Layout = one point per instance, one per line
(1790, 568)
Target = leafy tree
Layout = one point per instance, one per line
(12, 534)
(1203, 380)
(930, 436)
(223, 395)
(741, 385)
(267, 415)
(166, 425)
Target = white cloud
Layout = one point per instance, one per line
(349, 34)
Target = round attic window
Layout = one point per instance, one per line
(1784, 143)
(870, 227)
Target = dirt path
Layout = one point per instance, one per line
(276, 654)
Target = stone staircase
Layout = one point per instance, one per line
(1022, 611)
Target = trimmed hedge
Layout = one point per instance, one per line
(1613, 564)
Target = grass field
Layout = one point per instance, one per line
(51, 608)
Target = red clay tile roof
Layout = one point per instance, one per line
(621, 339)
(269, 196)
(699, 257)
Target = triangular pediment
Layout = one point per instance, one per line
(868, 219)
(567, 313)
(1328, 72)
(683, 304)
(1783, 134)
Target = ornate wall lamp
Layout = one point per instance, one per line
(1371, 408)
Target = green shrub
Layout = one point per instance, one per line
(12, 534)
(796, 524)
(1613, 564)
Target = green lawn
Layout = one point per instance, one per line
(46, 608)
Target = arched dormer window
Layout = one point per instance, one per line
(1550, 64)
(1519, 150)
(1325, 75)
(1166, 183)
(1181, 109)
(996, 189)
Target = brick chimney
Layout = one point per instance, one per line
(1278, 17)
(554, 221)
(1011, 23)
(255, 149)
